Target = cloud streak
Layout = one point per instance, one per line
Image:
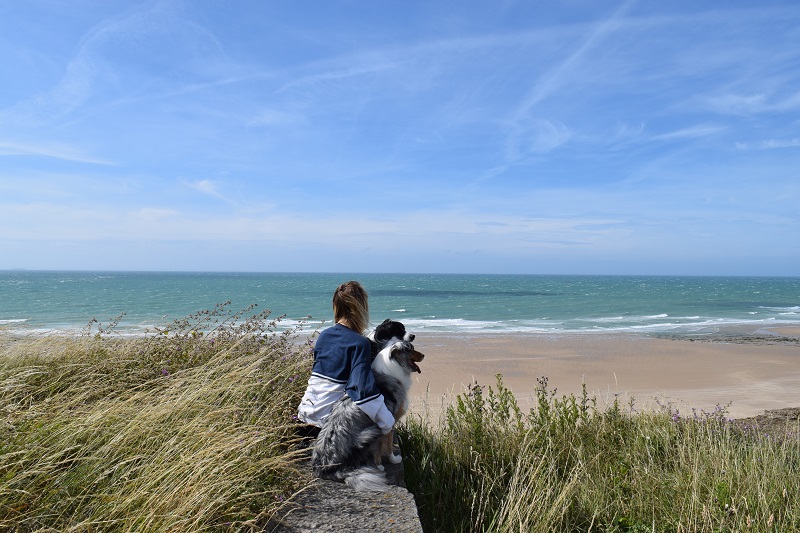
(50, 150)
(560, 131)
(770, 144)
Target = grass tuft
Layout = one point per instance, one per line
(189, 428)
(567, 465)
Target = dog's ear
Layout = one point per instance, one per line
(401, 346)
(386, 322)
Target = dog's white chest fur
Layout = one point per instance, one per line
(384, 364)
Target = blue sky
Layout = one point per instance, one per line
(508, 137)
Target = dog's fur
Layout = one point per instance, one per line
(387, 331)
(350, 446)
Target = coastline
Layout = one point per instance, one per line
(752, 370)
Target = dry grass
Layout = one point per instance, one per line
(568, 465)
(179, 431)
(190, 429)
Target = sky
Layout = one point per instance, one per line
(570, 137)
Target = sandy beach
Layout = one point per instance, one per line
(751, 371)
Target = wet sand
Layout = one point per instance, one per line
(753, 371)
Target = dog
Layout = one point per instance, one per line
(350, 446)
(388, 331)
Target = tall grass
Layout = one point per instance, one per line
(569, 465)
(187, 429)
(190, 428)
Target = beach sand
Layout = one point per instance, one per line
(749, 371)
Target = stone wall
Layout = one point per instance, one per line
(331, 506)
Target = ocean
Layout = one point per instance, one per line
(44, 302)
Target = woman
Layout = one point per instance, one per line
(343, 365)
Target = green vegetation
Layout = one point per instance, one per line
(178, 431)
(568, 465)
(191, 428)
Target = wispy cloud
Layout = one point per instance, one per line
(51, 150)
(692, 132)
(751, 104)
(109, 52)
(770, 144)
(565, 128)
(321, 78)
(738, 104)
(554, 79)
(535, 136)
(528, 131)
(209, 188)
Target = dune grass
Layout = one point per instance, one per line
(191, 429)
(187, 429)
(569, 465)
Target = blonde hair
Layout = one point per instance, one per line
(350, 304)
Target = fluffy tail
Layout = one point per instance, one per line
(366, 478)
(345, 456)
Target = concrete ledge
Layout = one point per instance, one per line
(331, 506)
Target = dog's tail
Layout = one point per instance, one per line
(366, 478)
(330, 461)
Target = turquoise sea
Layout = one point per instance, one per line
(40, 302)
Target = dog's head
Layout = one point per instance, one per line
(404, 354)
(387, 331)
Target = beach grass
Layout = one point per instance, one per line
(191, 428)
(571, 465)
(187, 429)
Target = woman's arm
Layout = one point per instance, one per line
(363, 390)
